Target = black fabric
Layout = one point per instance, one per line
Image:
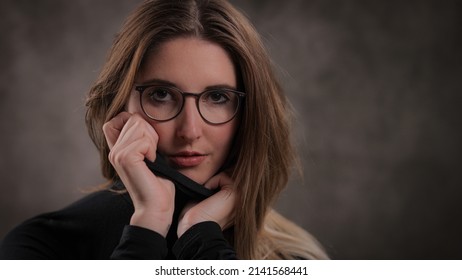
(182, 183)
(96, 227)
(203, 241)
(140, 243)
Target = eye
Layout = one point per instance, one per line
(160, 94)
(217, 97)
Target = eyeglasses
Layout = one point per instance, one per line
(164, 103)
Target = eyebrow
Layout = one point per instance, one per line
(168, 83)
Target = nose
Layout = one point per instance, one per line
(189, 122)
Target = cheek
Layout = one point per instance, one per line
(224, 137)
(165, 133)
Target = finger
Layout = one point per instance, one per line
(218, 181)
(113, 128)
(136, 128)
(218, 208)
(227, 193)
(132, 153)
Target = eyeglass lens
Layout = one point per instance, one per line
(164, 103)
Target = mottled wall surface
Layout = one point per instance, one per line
(376, 86)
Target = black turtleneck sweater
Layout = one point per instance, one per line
(97, 227)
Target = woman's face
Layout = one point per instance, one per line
(192, 146)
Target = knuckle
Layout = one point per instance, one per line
(228, 191)
(117, 158)
(106, 127)
(111, 156)
(137, 118)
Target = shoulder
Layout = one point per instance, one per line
(100, 204)
(88, 228)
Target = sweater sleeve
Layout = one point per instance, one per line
(140, 243)
(204, 241)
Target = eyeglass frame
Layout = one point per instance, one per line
(240, 95)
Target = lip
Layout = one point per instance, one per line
(187, 159)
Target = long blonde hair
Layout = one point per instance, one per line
(262, 154)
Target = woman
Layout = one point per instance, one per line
(191, 81)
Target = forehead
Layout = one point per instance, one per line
(189, 63)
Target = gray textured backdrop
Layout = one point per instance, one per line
(376, 85)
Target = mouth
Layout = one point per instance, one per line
(187, 159)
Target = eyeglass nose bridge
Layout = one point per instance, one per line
(191, 94)
(196, 96)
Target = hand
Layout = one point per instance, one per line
(131, 139)
(218, 208)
